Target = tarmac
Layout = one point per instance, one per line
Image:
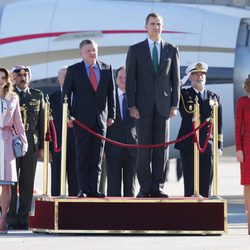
(229, 188)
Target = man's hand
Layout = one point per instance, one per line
(219, 152)
(40, 155)
(239, 156)
(70, 124)
(173, 112)
(134, 112)
(110, 121)
(50, 157)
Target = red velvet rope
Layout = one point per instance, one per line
(202, 150)
(52, 125)
(136, 145)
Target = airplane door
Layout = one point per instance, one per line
(242, 58)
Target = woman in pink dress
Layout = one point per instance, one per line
(242, 142)
(10, 121)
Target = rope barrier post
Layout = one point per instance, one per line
(215, 149)
(196, 151)
(46, 146)
(64, 147)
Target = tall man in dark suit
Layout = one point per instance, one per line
(92, 84)
(196, 73)
(32, 111)
(121, 161)
(153, 87)
(56, 107)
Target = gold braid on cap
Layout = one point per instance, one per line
(199, 66)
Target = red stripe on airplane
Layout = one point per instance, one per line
(55, 34)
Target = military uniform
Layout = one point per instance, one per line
(32, 110)
(186, 147)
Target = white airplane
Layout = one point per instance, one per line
(45, 35)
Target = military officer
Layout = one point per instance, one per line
(32, 110)
(196, 73)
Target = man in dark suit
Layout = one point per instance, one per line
(121, 161)
(55, 100)
(153, 87)
(32, 111)
(196, 73)
(92, 84)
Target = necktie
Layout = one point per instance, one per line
(22, 95)
(124, 106)
(155, 58)
(199, 97)
(92, 78)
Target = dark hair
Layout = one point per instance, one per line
(85, 42)
(8, 86)
(153, 14)
(117, 71)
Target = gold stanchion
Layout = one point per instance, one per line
(46, 146)
(196, 151)
(64, 147)
(215, 149)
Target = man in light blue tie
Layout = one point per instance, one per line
(121, 161)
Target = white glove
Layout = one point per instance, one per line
(219, 152)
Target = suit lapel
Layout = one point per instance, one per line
(101, 68)
(84, 75)
(118, 108)
(164, 53)
(147, 54)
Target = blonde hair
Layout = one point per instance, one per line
(247, 81)
(8, 86)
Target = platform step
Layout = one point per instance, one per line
(176, 215)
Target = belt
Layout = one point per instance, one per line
(29, 127)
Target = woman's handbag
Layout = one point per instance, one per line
(17, 146)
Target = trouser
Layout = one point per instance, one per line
(121, 170)
(151, 163)
(26, 168)
(205, 170)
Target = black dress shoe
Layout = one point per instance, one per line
(81, 194)
(23, 226)
(12, 226)
(97, 195)
(159, 194)
(142, 195)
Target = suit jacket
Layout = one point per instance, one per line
(122, 131)
(188, 99)
(89, 106)
(12, 117)
(55, 100)
(32, 111)
(144, 88)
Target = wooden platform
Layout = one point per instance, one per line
(115, 215)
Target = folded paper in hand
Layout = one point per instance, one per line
(17, 146)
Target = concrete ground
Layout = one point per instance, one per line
(229, 188)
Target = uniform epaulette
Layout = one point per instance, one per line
(37, 91)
